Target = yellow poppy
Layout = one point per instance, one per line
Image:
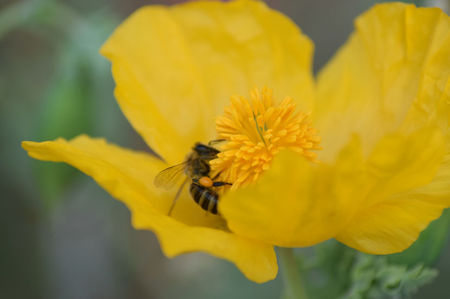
(360, 154)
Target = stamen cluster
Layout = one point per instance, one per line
(255, 131)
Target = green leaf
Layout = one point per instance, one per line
(66, 112)
(375, 277)
(326, 270)
(336, 271)
(71, 104)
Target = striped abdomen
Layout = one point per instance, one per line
(205, 197)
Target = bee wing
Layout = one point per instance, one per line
(170, 176)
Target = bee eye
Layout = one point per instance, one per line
(204, 150)
(201, 148)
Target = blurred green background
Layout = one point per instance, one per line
(62, 236)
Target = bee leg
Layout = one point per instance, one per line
(216, 176)
(177, 196)
(215, 141)
(220, 184)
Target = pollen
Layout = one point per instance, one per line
(205, 181)
(255, 130)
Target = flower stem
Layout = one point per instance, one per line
(292, 279)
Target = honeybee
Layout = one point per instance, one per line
(197, 170)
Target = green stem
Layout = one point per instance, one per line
(292, 279)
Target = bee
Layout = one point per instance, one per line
(197, 170)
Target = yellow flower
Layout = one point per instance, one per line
(380, 111)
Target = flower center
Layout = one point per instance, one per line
(255, 131)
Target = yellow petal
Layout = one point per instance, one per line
(176, 67)
(408, 190)
(392, 225)
(384, 120)
(297, 203)
(390, 86)
(128, 176)
(392, 73)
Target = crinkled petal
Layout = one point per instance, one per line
(296, 203)
(383, 115)
(128, 176)
(394, 224)
(393, 73)
(390, 86)
(405, 194)
(177, 67)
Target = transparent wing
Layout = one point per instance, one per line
(169, 177)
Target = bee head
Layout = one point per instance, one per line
(205, 151)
